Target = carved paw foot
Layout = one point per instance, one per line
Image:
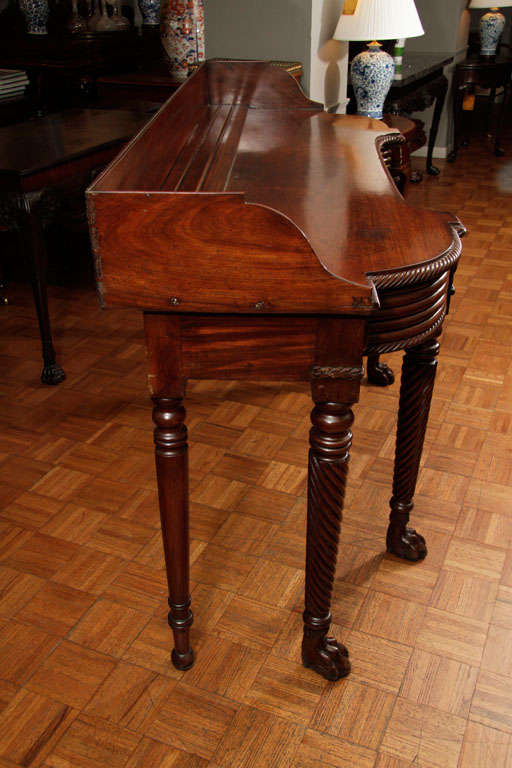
(380, 374)
(182, 661)
(325, 656)
(52, 374)
(406, 543)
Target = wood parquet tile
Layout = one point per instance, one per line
(85, 675)
(71, 674)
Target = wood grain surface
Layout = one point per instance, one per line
(239, 188)
(85, 674)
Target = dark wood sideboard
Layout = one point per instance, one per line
(264, 239)
(45, 166)
(63, 69)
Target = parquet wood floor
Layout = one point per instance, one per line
(85, 676)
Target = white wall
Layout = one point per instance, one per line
(290, 30)
(446, 24)
(329, 58)
(441, 21)
(259, 29)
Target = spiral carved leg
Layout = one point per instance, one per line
(418, 375)
(330, 440)
(379, 374)
(172, 475)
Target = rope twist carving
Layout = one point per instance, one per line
(330, 440)
(418, 374)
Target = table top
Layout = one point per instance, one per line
(476, 61)
(415, 66)
(35, 145)
(241, 171)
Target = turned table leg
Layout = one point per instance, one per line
(418, 375)
(438, 110)
(330, 441)
(171, 453)
(498, 150)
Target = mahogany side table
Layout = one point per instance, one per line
(490, 72)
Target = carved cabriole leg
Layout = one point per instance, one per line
(167, 387)
(438, 110)
(418, 375)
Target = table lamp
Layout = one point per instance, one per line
(491, 25)
(372, 70)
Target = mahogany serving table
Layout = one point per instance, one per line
(264, 239)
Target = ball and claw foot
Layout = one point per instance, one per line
(52, 374)
(325, 656)
(380, 374)
(182, 661)
(406, 543)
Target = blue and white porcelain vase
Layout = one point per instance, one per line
(150, 10)
(492, 25)
(36, 14)
(372, 74)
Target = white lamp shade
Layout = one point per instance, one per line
(488, 4)
(380, 20)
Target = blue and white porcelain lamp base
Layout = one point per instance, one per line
(492, 25)
(372, 74)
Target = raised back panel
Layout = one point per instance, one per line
(262, 86)
(150, 157)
